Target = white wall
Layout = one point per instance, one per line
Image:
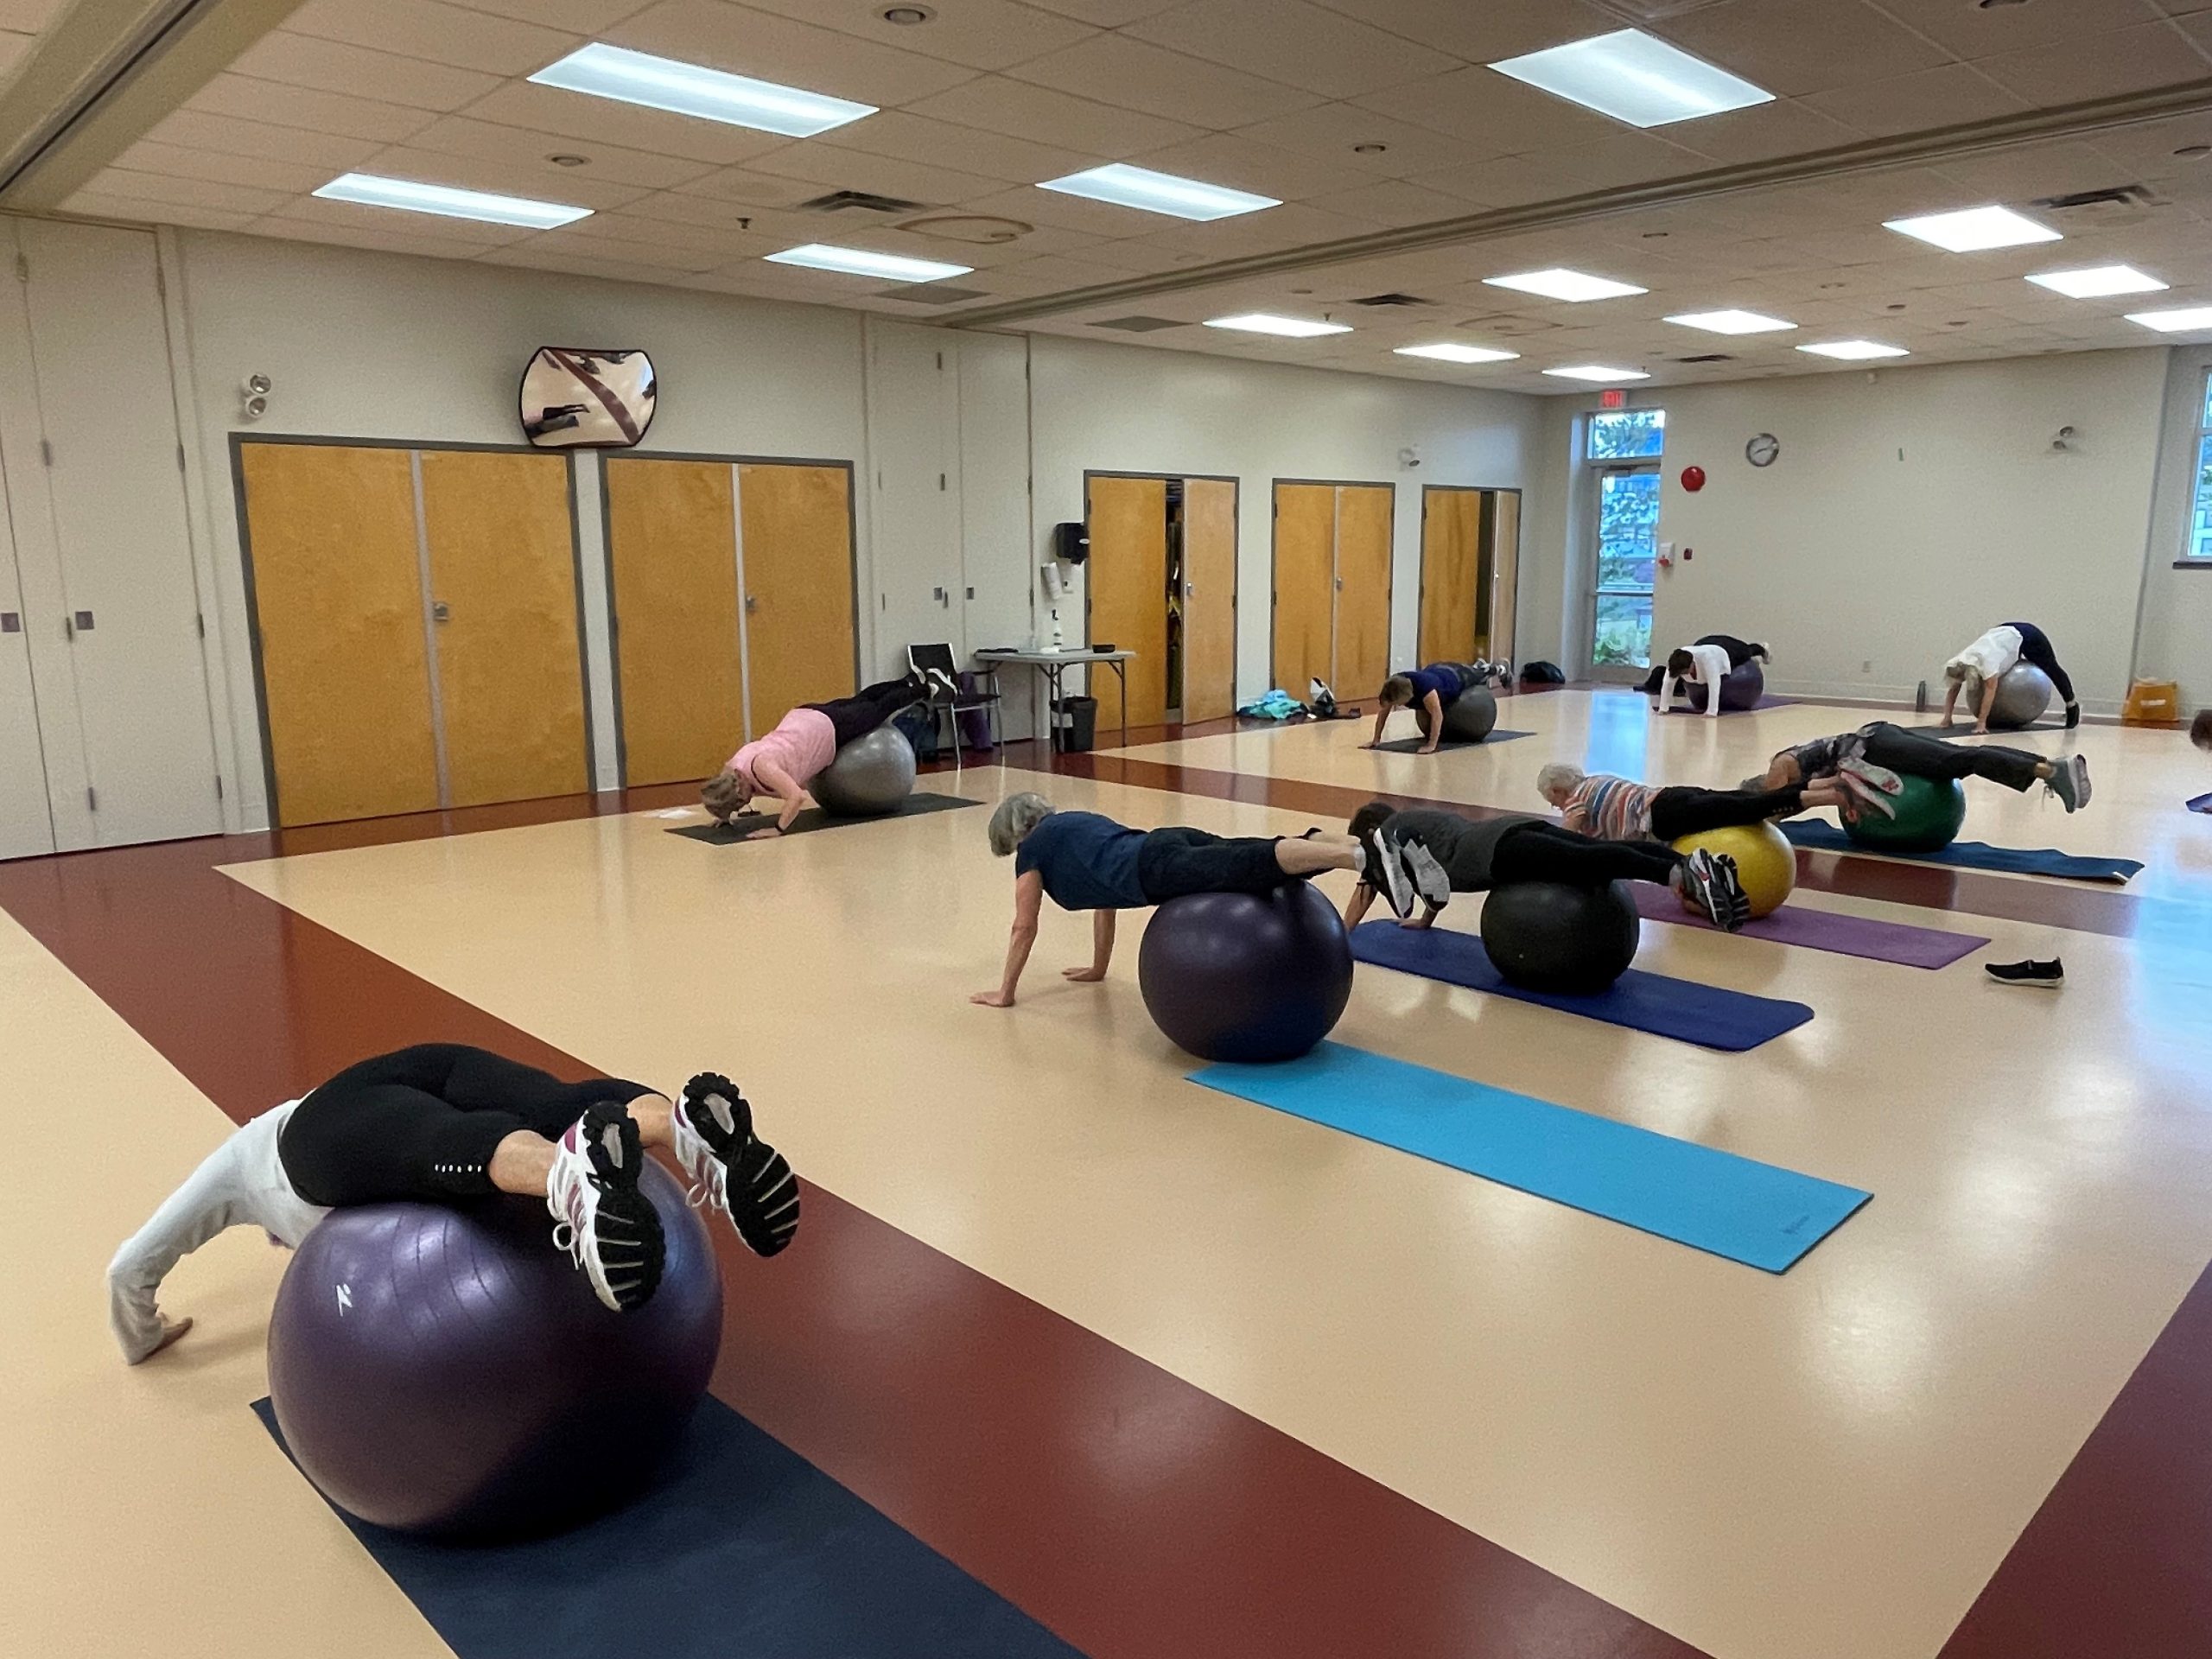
(2174, 641)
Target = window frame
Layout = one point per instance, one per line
(2198, 507)
(1591, 457)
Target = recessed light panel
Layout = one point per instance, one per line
(1572, 285)
(1158, 192)
(1731, 322)
(2097, 281)
(1449, 351)
(445, 202)
(1854, 351)
(669, 83)
(859, 262)
(1259, 323)
(1974, 230)
(1596, 371)
(2184, 319)
(1634, 77)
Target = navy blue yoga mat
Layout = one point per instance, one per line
(1708, 1015)
(1819, 834)
(1758, 1214)
(745, 1547)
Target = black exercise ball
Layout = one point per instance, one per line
(1545, 936)
(1246, 977)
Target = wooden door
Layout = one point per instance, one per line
(1209, 599)
(1364, 528)
(1305, 586)
(1451, 542)
(337, 625)
(1126, 582)
(671, 555)
(1503, 556)
(503, 587)
(798, 554)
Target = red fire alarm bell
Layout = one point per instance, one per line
(1692, 478)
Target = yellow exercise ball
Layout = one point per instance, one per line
(1765, 861)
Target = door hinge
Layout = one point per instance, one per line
(92, 799)
(199, 622)
(68, 630)
(45, 450)
(940, 480)
(940, 361)
(219, 786)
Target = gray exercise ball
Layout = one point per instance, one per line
(871, 776)
(1469, 718)
(2023, 694)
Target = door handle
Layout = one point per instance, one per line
(752, 603)
(440, 611)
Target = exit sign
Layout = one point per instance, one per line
(1612, 397)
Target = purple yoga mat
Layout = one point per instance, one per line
(1828, 929)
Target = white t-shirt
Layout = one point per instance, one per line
(1991, 657)
(1711, 668)
(241, 1184)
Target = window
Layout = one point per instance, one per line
(1627, 434)
(1626, 445)
(2199, 545)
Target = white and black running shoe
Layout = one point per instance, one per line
(1383, 869)
(1430, 880)
(742, 1176)
(2035, 975)
(607, 1225)
(1710, 880)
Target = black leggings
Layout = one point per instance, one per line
(867, 709)
(421, 1124)
(1178, 861)
(1679, 812)
(1918, 755)
(1545, 852)
(2035, 649)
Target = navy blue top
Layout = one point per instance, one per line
(1442, 681)
(1089, 862)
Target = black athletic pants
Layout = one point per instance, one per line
(1918, 755)
(867, 709)
(1739, 653)
(421, 1124)
(1545, 852)
(1678, 812)
(2035, 649)
(1178, 861)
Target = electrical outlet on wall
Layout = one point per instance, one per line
(1866, 667)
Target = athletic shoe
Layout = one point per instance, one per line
(1712, 881)
(1429, 879)
(1880, 777)
(942, 682)
(2039, 975)
(608, 1228)
(715, 1144)
(2073, 716)
(1382, 868)
(2070, 781)
(1865, 794)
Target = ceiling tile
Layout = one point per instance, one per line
(576, 263)
(436, 32)
(1762, 132)
(14, 49)
(99, 204)
(458, 134)
(331, 113)
(1105, 14)
(211, 193)
(1290, 41)
(28, 17)
(1492, 112)
(2125, 61)
(1242, 163)
(1927, 97)
(882, 175)
(1969, 31)
(1022, 111)
(1162, 83)
(504, 178)
(2030, 171)
(1486, 32)
(191, 129)
(652, 242)
(758, 43)
(261, 172)
(1102, 220)
(1794, 47)
(744, 187)
(576, 17)
(980, 34)
(1392, 202)
(351, 236)
(1292, 225)
(584, 121)
(968, 149)
(1329, 132)
(333, 66)
(2198, 28)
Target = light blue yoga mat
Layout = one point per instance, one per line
(1755, 1213)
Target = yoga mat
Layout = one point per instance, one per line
(1707, 1015)
(2202, 804)
(743, 1547)
(1964, 729)
(1764, 703)
(1411, 745)
(1826, 930)
(812, 817)
(1819, 834)
(1758, 1214)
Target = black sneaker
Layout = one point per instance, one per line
(609, 1228)
(731, 1167)
(2043, 975)
(1712, 881)
(1385, 871)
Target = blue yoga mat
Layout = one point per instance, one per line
(1819, 834)
(1709, 1015)
(1758, 1214)
(744, 1547)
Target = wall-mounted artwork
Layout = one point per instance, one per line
(578, 399)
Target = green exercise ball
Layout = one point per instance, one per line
(1929, 812)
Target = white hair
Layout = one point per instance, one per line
(1016, 818)
(1562, 775)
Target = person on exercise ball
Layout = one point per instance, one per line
(1431, 690)
(799, 748)
(1704, 662)
(1616, 808)
(1865, 765)
(1976, 670)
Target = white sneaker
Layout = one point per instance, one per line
(607, 1225)
(715, 1144)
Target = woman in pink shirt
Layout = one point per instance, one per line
(783, 762)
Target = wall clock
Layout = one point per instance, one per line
(1764, 451)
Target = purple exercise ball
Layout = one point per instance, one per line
(1739, 693)
(1246, 977)
(447, 1370)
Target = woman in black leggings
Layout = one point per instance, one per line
(1867, 763)
(1739, 653)
(783, 761)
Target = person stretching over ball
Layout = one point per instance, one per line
(1083, 860)
(1865, 765)
(1431, 690)
(1976, 670)
(1614, 809)
(445, 1124)
(1479, 854)
(801, 746)
(1706, 662)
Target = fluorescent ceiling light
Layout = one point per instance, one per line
(2185, 320)
(1158, 192)
(1449, 353)
(710, 94)
(1975, 230)
(1259, 323)
(858, 262)
(1731, 322)
(1598, 371)
(1853, 351)
(1634, 77)
(1572, 285)
(447, 203)
(2097, 281)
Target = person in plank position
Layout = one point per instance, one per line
(1431, 690)
(445, 1124)
(1865, 765)
(1479, 854)
(1615, 809)
(1704, 662)
(802, 745)
(1084, 861)
(1976, 670)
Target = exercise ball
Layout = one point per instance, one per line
(1740, 690)
(447, 1370)
(1765, 862)
(1546, 936)
(1471, 716)
(1246, 977)
(872, 775)
(2023, 693)
(1929, 812)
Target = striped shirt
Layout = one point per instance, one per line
(1611, 809)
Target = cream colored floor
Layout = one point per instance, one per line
(145, 1510)
(1823, 1465)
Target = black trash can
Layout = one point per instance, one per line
(1076, 718)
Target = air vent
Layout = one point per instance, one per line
(1708, 357)
(933, 294)
(1140, 325)
(838, 200)
(1393, 299)
(2121, 205)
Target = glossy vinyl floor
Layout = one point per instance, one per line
(1684, 1455)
